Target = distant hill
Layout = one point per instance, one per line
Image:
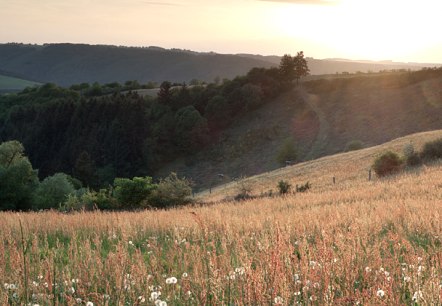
(67, 64)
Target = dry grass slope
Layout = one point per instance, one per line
(356, 242)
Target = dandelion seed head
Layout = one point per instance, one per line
(89, 304)
(380, 293)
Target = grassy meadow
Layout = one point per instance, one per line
(356, 242)
(11, 83)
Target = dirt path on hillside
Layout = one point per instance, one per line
(321, 140)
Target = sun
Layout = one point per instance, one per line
(360, 29)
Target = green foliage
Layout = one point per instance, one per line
(287, 152)
(89, 200)
(52, 191)
(292, 68)
(412, 157)
(432, 150)
(354, 145)
(191, 130)
(171, 191)
(387, 164)
(284, 187)
(17, 177)
(133, 193)
(85, 170)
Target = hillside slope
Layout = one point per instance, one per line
(321, 119)
(349, 169)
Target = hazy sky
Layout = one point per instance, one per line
(401, 30)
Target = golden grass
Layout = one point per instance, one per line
(373, 243)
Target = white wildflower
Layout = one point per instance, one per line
(154, 295)
(184, 275)
(278, 300)
(78, 300)
(89, 304)
(417, 296)
(12, 287)
(367, 269)
(380, 293)
(171, 280)
(141, 299)
(71, 290)
(407, 279)
(240, 271)
(131, 243)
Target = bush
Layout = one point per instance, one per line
(85, 199)
(412, 158)
(354, 145)
(303, 188)
(133, 193)
(52, 192)
(432, 150)
(386, 164)
(244, 190)
(171, 191)
(284, 187)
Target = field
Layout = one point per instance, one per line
(355, 242)
(14, 84)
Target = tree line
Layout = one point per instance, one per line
(96, 133)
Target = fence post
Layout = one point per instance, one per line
(369, 174)
(334, 180)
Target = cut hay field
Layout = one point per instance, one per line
(353, 243)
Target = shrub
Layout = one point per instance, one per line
(354, 145)
(303, 188)
(171, 191)
(131, 193)
(284, 187)
(244, 190)
(52, 192)
(287, 152)
(412, 158)
(85, 199)
(432, 150)
(386, 164)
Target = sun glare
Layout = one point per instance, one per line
(376, 30)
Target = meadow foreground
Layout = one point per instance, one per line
(363, 242)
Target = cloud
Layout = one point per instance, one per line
(306, 2)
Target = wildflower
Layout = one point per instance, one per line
(75, 280)
(407, 279)
(380, 293)
(12, 287)
(141, 299)
(419, 259)
(296, 277)
(367, 269)
(184, 275)
(78, 300)
(297, 293)
(417, 296)
(278, 300)
(40, 276)
(312, 263)
(71, 290)
(106, 297)
(154, 295)
(189, 293)
(15, 295)
(240, 271)
(131, 243)
(6, 286)
(89, 304)
(162, 303)
(171, 280)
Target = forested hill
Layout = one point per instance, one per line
(238, 127)
(67, 64)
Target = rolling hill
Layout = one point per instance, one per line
(321, 117)
(67, 64)
(349, 169)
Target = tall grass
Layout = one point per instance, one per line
(371, 243)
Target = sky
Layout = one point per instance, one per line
(398, 30)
